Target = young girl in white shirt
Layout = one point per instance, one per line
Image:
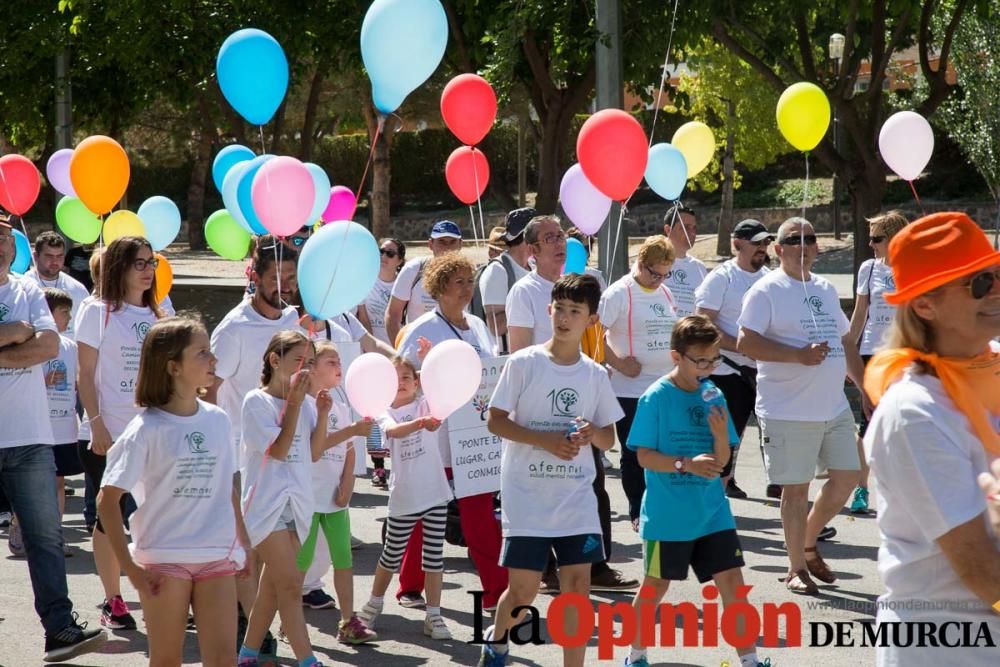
(418, 491)
(281, 435)
(333, 484)
(176, 458)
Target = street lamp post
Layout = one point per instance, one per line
(836, 53)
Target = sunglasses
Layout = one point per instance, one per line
(876, 239)
(299, 241)
(982, 284)
(705, 364)
(391, 254)
(141, 265)
(809, 239)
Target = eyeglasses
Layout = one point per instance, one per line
(705, 364)
(299, 241)
(5, 237)
(809, 239)
(982, 284)
(391, 254)
(554, 237)
(656, 276)
(876, 239)
(141, 265)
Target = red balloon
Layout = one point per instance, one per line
(467, 173)
(612, 150)
(20, 183)
(469, 107)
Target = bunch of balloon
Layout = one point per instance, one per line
(906, 143)
(469, 109)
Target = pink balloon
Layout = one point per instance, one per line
(584, 204)
(341, 206)
(282, 194)
(371, 384)
(450, 376)
(57, 171)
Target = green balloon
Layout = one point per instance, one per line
(77, 221)
(226, 236)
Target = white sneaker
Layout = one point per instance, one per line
(436, 628)
(369, 613)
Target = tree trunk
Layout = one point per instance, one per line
(498, 187)
(379, 209)
(309, 122)
(867, 192)
(547, 191)
(277, 128)
(723, 245)
(199, 175)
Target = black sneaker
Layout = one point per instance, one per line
(241, 630)
(73, 640)
(774, 491)
(828, 533)
(734, 491)
(318, 599)
(550, 582)
(268, 651)
(612, 580)
(115, 615)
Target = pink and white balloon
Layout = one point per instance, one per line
(906, 143)
(450, 376)
(371, 384)
(57, 171)
(583, 203)
(283, 194)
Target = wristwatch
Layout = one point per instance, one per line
(679, 464)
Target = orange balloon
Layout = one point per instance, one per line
(164, 278)
(99, 172)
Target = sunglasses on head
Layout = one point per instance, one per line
(876, 239)
(809, 239)
(391, 254)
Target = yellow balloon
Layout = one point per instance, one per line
(697, 143)
(123, 223)
(803, 115)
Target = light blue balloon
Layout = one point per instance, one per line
(253, 74)
(230, 197)
(402, 43)
(226, 159)
(321, 182)
(243, 194)
(666, 171)
(337, 269)
(22, 254)
(162, 221)
(576, 257)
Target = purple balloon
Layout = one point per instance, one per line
(341, 206)
(57, 171)
(584, 204)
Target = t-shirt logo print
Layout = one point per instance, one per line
(815, 303)
(4, 311)
(680, 276)
(563, 401)
(696, 415)
(141, 329)
(890, 282)
(658, 309)
(55, 375)
(196, 442)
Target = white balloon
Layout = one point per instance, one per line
(906, 143)
(450, 376)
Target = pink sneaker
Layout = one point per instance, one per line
(355, 631)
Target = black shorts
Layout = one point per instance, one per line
(707, 556)
(93, 470)
(67, 460)
(532, 553)
(863, 424)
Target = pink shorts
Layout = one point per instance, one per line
(195, 571)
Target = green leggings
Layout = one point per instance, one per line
(337, 529)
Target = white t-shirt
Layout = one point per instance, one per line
(409, 288)
(924, 462)
(344, 328)
(65, 282)
(493, 285)
(528, 306)
(723, 290)
(685, 277)
(874, 280)
(375, 306)
(60, 387)
(591, 271)
(327, 470)
(798, 313)
(649, 316)
(418, 481)
(544, 496)
(180, 472)
(238, 344)
(24, 410)
(117, 336)
(274, 483)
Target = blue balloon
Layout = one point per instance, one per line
(666, 171)
(402, 43)
(230, 196)
(226, 160)
(22, 254)
(162, 221)
(253, 74)
(243, 194)
(321, 182)
(576, 257)
(337, 269)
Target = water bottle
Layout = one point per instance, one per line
(711, 394)
(573, 427)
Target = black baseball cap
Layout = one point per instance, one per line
(751, 230)
(516, 221)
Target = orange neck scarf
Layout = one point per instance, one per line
(973, 384)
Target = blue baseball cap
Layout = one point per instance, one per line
(445, 229)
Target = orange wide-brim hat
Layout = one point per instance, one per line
(935, 250)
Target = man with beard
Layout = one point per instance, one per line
(50, 258)
(239, 343)
(720, 298)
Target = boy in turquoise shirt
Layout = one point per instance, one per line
(682, 436)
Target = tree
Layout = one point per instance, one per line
(785, 42)
(737, 103)
(972, 117)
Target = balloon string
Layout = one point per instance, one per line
(618, 231)
(472, 220)
(805, 187)
(663, 74)
(263, 148)
(371, 156)
(917, 197)
(479, 199)
(31, 246)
